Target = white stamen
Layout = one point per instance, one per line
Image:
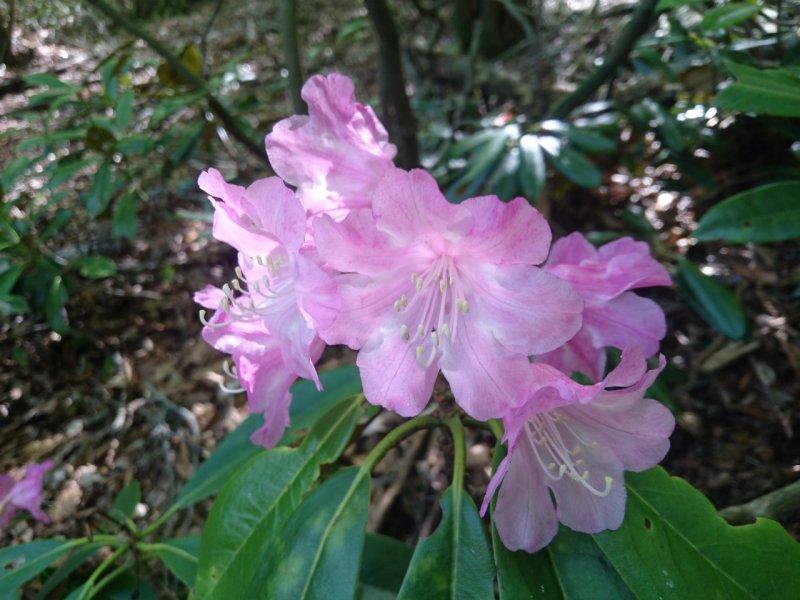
(404, 332)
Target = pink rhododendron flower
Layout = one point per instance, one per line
(575, 441)
(429, 285)
(25, 494)
(613, 315)
(267, 317)
(337, 154)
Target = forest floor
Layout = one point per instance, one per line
(133, 392)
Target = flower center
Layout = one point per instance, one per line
(546, 434)
(433, 310)
(263, 291)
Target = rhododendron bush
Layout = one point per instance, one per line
(366, 300)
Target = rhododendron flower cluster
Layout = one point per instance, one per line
(368, 255)
(23, 494)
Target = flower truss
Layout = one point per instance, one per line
(376, 258)
(25, 494)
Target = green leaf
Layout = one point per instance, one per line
(124, 222)
(575, 167)
(485, 155)
(318, 552)
(124, 110)
(672, 544)
(8, 235)
(385, 562)
(95, 267)
(670, 4)
(54, 305)
(589, 141)
(100, 193)
(13, 170)
(454, 562)
(179, 555)
(46, 79)
(308, 405)
(13, 304)
(532, 172)
(770, 213)
(127, 499)
(714, 303)
(504, 181)
(774, 92)
(21, 563)
(8, 278)
(259, 498)
(75, 559)
(728, 15)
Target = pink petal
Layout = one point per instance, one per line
(578, 355)
(409, 205)
(316, 291)
(391, 376)
(277, 211)
(571, 250)
(627, 321)
(528, 310)
(27, 492)
(507, 232)
(524, 514)
(209, 297)
(486, 379)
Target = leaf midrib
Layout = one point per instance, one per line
(279, 497)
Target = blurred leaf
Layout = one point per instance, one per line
(769, 213)
(8, 235)
(504, 181)
(666, 125)
(99, 195)
(589, 141)
(773, 92)
(258, 499)
(670, 4)
(728, 15)
(45, 79)
(54, 305)
(95, 267)
(454, 562)
(21, 563)
(135, 144)
(318, 552)
(12, 171)
(575, 167)
(125, 221)
(13, 304)
(127, 499)
(716, 304)
(75, 559)
(124, 110)
(532, 173)
(66, 169)
(56, 224)
(180, 556)
(8, 277)
(385, 562)
(192, 61)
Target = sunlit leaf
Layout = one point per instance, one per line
(728, 15)
(716, 304)
(95, 267)
(773, 92)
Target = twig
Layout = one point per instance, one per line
(225, 117)
(207, 29)
(636, 27)
(291, 53)
(394, 100)
(777, 505)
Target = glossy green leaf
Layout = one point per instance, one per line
(728, 15)
(773, 92)
(127, 499)
(670, 4)
(454, 562)
(21, 563)
(769, 213)
(318, 552)
(95, 267)
(179, 555)
(385, 562)
(672, 544)
(74, 560)
(504, 182)
(54, 304)
(532, 172)
(124, 222)
(308, 405)
(13, 304)
(259, 498)
(124, 110)
(100, 192)
(575, 166)
(8, 278)
(589, 141)
(484, 156)
(716, 304)
(8, 235)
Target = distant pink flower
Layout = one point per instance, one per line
(575, 441)
(613, 315)
(337, 154)
(25, 494)
(267, 317)
(430, 285)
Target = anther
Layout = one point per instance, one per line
(435, 338)
(398, 306)
(446, 330)
(404, 332)
(442, 285)
(462, 305)
(420, 331)
(420, 351)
